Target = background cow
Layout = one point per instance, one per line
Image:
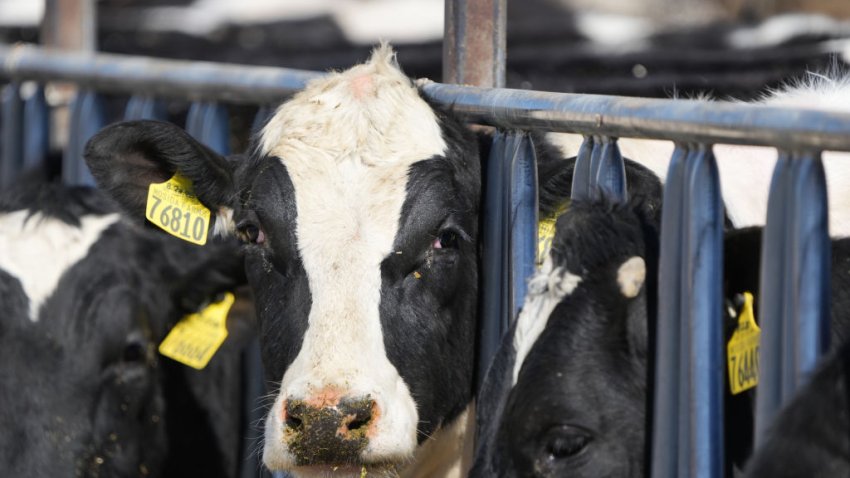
(86, 298)
(568, 391)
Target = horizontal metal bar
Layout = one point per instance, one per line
(193, 80)
(675, 120)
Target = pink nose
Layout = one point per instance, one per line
(328, 434)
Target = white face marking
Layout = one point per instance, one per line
(545, 291)
(38, 250)
(630, 276)
(347, 142)
(224, 225)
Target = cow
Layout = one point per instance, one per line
(746, 171)
(358, 207)
(567, 394)
(86, 297)
(811, 434)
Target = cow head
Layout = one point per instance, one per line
(567, 393)
(85, 299)
(358, 209)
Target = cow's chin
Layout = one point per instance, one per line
(346, 471)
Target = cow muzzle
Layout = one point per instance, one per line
(324, 434)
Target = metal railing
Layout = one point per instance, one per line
(688, 438)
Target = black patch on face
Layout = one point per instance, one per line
(274, 269)
(429, 295)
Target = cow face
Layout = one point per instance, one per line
(573, 385)
(359, 213)
(86, 299)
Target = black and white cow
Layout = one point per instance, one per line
(359, 213)
(359, 210)
(567, 394)
(85, 299)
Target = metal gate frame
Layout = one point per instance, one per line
(794, 303)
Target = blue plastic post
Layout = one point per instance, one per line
(688, 407)
(11, 136)
(794, 289)
(611, 173)
(581, 171)
(208, 122)
(87, 118)
(523, 219)
(145, 107)
(36, 131)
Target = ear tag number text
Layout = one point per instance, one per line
(743, 350)
(173, 207)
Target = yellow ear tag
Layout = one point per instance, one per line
(546, 232)
(196, 338)
(743, 350)
(173, 207)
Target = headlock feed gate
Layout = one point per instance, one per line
(794, 303)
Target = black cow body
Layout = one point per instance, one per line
(83, 389)
(811, 436)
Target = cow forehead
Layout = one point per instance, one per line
(370, 114)
(38, 249)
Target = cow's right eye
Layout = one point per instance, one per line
(134, 352)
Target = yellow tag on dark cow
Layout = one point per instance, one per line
(546, 232)
(197, 337)
(743, 350)
(173, 207)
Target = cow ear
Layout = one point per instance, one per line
(126, 158)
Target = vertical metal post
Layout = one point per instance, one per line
(688, 406)
(474, 42)
(795, 281)
(69, 25)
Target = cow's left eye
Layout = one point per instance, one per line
(446, 240)
(566, 442)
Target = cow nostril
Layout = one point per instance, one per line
(293, 417)
(357, 424)
(293, 422)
